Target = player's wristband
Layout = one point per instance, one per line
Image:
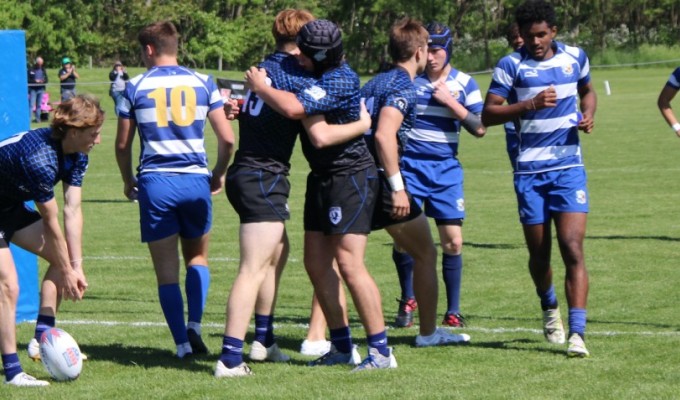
(676, 127)
(396, 182)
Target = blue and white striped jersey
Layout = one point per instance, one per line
(267, 138)
(437, 132)
(32, 163)
(547, 139)
(170, 105)
(393, 88)
(674, 79)
(336, 96)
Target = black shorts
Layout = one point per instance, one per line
(382, 215)
(14, 218)
(258, 195)
(340, 203)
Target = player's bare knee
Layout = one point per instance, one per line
(9, 292)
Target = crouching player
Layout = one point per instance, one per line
(31, 163)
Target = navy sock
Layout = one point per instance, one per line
(232, 351)
(404, 264)
(11, 365)
(548, 298)
(379, 342)
(452, 271)
(342, 339)
(196, 286)
(172, 304)
(577, 321)
(264, 329)
(43, 323)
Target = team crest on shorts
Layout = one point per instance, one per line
(581, 196)
(335, 215)
(460, 204)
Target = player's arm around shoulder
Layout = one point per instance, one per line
(321, 134)
(285, 103)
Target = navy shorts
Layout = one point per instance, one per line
(382, 215)
(258, 195)
(539, 195)
(341, 203)
(172, 204)
(15, 218)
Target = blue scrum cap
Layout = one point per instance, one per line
(440, 36)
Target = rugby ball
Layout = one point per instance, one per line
(60, 355)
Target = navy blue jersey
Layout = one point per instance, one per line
(266, 138)
(393, 88)
(336, 95)
(32, 163)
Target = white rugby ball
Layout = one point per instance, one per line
(60, 354)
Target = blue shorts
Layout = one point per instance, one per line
(174, 204)
(437, 186)
(539, 195)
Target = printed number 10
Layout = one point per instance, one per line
(181, 115)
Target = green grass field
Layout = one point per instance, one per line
(632, 248)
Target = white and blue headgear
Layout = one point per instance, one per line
(440, 36)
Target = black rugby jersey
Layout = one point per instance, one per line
(336, 95)
(266, 138)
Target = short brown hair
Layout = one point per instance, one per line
(406, 35)
(162, 36)
(80, 112)
(287, 24)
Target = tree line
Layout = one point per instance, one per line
(235, 34)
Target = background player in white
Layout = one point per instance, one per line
(391, 97)
(448, 99)
(31, 164)
(169, 105)
(542, 84)
(667, 94)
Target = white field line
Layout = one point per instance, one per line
(118, 258)
(144, 324)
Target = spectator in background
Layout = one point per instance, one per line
(68, 76)
(37, 78)
(118, 76)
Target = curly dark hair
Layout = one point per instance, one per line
(535, 11)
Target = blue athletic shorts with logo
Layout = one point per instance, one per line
(174, 204)
(437, 186)
(541, 194)
(341, 203)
